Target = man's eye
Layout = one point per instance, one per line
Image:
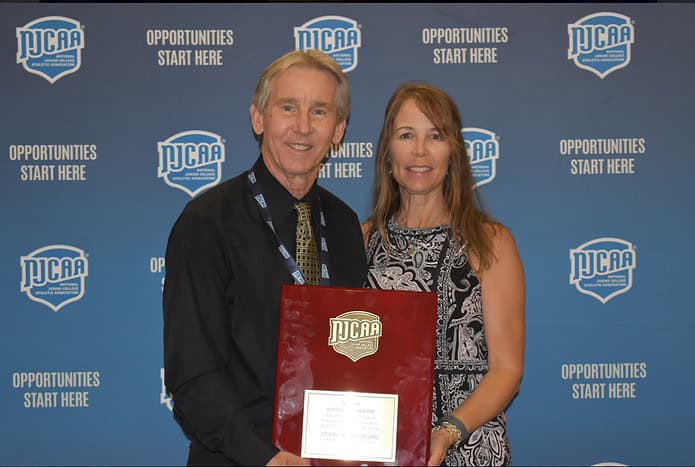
(320, 112)
(287, 108)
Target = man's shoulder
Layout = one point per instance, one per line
(335, 205)
(227, 194)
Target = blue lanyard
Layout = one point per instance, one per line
(289, 260)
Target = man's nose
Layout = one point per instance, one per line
(302, 122)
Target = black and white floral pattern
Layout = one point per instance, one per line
(418, 258)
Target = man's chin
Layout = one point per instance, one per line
(302, 170)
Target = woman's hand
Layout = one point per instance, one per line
(439, 445)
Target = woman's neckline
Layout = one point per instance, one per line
(419, 230)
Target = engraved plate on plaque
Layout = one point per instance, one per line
(348, 425)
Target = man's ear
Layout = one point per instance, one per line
(256, 120)
(339, 132)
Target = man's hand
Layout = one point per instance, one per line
(287, 458)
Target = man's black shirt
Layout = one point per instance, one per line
(221, 309)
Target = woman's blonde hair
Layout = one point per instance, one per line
(468, 221)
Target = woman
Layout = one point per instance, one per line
(426, 232)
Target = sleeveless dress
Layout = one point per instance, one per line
(429, 260)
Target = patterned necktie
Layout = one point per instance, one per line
(307, 256)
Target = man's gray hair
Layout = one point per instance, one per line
(307, 58)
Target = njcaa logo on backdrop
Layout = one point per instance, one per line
(50, 47)
(602, 268)
(191, 161)
(164, 396)
(355, 334)
(337, 36)
(54, 275)
(601, 42)
(483, 151)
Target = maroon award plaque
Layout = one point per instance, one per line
(354, 375)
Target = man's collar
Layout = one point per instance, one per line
(277, 196)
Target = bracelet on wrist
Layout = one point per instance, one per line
(454, 426)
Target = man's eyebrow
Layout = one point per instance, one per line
(323, 104)
(294, 100)
(287, 100)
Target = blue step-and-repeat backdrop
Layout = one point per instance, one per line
(580, 125)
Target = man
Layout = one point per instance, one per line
(225, 269)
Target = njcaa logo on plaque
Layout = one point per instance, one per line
(191, 161)
(54, 275)
(355, 334)
(602, 268)
(483, 150)
(601, 42)
(336, 36)
(50, 47)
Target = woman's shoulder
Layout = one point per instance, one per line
(366, 227)
(499, 235)
(502, 244)
(366, 230)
